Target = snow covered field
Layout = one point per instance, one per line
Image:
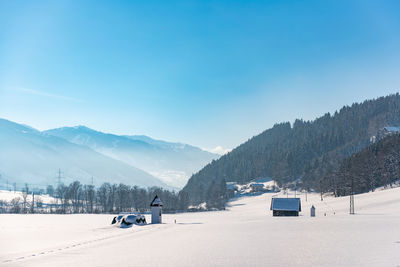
(245, 234)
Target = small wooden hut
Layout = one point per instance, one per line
(285, 206)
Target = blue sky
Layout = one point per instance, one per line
(208, 73)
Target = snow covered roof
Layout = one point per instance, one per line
(392, 129)
(156, 202)
(289, 204)
(257, 185)
(231, 185)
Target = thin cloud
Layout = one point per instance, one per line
(45, 94)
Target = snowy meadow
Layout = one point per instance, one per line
(245, 234)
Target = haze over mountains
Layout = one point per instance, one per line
(30, 156)
(173, 163)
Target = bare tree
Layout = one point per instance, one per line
(62, 194)
(89, 193)
(33, 203)
(50, 190)
(3, 206)
(75, 193)
(16, 205)
(25, 192)
(103, 194)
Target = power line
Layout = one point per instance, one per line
(59, 177)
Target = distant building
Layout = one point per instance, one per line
(156, 210)
(391, 129)
(385, 131)
(231, 186)
(231, 189)
(285, 206)
(257, 187)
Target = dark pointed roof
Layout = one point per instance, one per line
(156, 202)
(287, 204)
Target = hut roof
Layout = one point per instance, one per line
(289, 204)
(392, 129)
(156, 202)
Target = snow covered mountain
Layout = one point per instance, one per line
(172, 163)
(30, 156)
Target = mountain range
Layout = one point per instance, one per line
(31, 156)
(173, 163)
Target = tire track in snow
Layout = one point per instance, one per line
(80, 244)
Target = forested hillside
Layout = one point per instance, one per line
(305, 151)
(376, 165)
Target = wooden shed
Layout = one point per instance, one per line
(285, 206)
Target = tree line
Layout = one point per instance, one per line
(305, 151)
(378, 165)
(108, 198)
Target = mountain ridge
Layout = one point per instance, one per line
(29, 156)
(172, 163)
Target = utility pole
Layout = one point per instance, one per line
(92, 180)
(320, 188)
(59, 177)
(352, 197)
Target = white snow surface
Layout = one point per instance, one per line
(245, 234)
